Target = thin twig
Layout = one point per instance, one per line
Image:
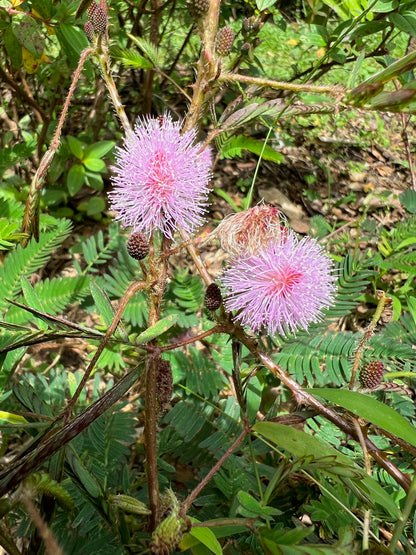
(281, 85)
(194, 494)
(138, 286)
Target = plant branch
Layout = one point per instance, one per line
(30, 224)
(194, 494)
(305, 398)
(282, 85)
(139, 285)
(52, 441)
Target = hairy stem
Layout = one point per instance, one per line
(194, 494)
(305, 398)
(139, 285)
(159, 270)
(30, 225)
(368, 334)
(281, 85)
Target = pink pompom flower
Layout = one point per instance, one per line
(161, 179)
(283, 287)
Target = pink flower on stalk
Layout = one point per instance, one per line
(161, 179)
(283, 287)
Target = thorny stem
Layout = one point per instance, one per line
(281, 85)
(111, 329)
(30, 225)
(305, 398)
(51, 546)
(159, 273)
(367, 336)
(194, 494)
(207, 67)
(104, 62)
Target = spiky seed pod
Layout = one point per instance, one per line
(89, 30)
(224, 41)
(99, 20)
(164, 383)
(213, 297)
(372, 374)
(197, 8)
(138, 245)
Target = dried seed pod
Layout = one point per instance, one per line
(213, 297)
(224, 41)
(138, 245)
(372, 374)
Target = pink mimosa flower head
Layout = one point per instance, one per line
(161, 179)
(249, 231)
(282, 288)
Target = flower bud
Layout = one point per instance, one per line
(213, 297)
(197, 8)
(89, 30)
(372, 374)
(224, 41)
(138, 246)
(99, 20)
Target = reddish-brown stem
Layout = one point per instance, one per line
(215, 329)
(30, 218)
(305, 398)
(194, 494)
(51, 546)
(139, 285)
(158, 270)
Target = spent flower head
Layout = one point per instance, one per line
(246, 232)
(283, 287)
(161, 179)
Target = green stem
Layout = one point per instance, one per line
(369, 332)
(281, 85)
(400, 524)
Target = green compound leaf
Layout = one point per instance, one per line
(372, 410)
(301, 444)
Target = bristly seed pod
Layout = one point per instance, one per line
(372, 374)
(138, 245)
(197, 8)
(224, 41)
(213, 297)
